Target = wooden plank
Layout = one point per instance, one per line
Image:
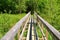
(29, 35)
(33, 38)
(47, 34)
(28, 31)
(24, 38)
(13, 31)
(18, 33)
(33, 34)
(42, 30)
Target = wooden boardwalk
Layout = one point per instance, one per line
(30, 23)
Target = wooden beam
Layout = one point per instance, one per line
(24, 29)
(33, 38)
(28, 31)
(46, 34)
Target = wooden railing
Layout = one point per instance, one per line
(13, 31)
(31, 22)
(49, 28)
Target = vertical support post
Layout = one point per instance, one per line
(42, 29)
(18, 34)
(46, 34)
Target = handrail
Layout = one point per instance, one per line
(49, 27)
(13, 31)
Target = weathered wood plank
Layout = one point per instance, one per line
(28, 31)
(33, 35)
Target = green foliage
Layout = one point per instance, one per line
(12, 6)
(7, 21)
(7, 6)
(49, 10)
(38, 32)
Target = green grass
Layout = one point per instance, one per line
(53, 19)
(25, 33)
(38, 32)
(7, 21)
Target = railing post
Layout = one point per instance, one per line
(46, 34)
(42, 29)
(18, 33)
